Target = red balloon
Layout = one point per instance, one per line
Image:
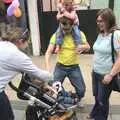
(7, 1)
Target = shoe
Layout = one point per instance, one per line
(74, 95)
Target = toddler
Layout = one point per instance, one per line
(66, 9)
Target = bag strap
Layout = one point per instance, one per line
(112, 48)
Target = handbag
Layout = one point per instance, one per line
(116, 79)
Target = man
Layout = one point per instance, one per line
(68, 58)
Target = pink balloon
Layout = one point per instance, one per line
(15, 3)
(10, 10)
(7, 1)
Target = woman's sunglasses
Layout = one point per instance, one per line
(25, 35)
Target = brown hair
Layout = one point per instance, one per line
(13, 34)
(109, 18)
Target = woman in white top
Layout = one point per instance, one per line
(12, 62)
(104, 70)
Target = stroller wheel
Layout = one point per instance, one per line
(31, 114)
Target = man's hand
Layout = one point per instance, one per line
(79, 49)
(107, 79)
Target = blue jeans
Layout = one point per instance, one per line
(75, 33)
(102, 93)
(74, 74)
(65, 98)
(6, 112)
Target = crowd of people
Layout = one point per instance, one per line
(68, 42)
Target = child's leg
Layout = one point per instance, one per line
(76, 35)
(77, 38)
(67, 97)
(59, 36)
(65, 93)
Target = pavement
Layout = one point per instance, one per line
(86, 68)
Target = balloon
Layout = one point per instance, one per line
(15, 3)
(7, 1)
(10, 10)
(17, 12)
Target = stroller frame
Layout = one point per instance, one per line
(41, 106)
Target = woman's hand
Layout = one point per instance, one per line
(107, 79)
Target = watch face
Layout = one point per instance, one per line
(66, 25)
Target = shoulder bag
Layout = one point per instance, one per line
(116, 79)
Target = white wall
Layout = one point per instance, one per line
(99, 4)
(117, 11)
(95, 4)
(34, 26)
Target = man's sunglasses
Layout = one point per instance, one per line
(65, 23)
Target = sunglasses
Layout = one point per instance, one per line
(67, 23)
(25, 35)
(99, 21)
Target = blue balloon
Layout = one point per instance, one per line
(10, 10)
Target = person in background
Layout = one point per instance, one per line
(68, 58)
(66, 9)
(12, 62)
(104, 71)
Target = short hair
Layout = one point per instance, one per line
(109, 18)
(13, 34)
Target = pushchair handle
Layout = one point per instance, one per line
(29, 96)
(33, 98)
(13, 86)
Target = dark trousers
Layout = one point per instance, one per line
(102, 93)
(6, 112)
(74, 74)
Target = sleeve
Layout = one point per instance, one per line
(117, 40)
(22, 63)
(53, 39)
(83, 37)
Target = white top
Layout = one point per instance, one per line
(102, 62)
(13, 61)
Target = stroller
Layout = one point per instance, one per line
(42, 106)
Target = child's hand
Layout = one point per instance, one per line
(62, 10)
